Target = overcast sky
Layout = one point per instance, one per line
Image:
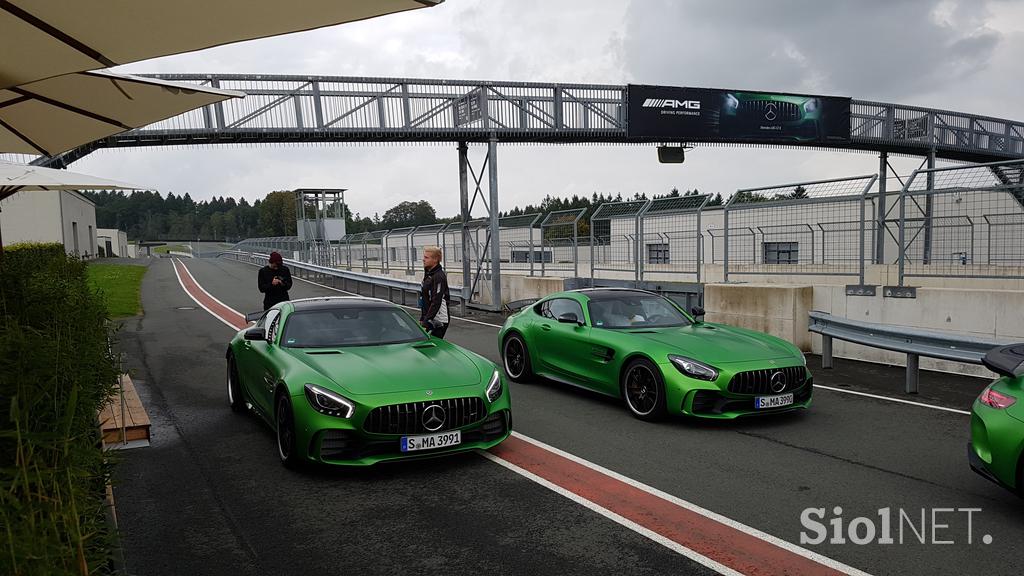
(958, 55)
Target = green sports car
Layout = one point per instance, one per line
(773, 116)
(642, 347)
(356, 381)
(996, 450)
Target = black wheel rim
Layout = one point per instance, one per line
(284, 429)
(641, 390)
(515, 357)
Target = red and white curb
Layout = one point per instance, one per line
(712, 540)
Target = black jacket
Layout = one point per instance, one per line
(274, 294)
(434, 297)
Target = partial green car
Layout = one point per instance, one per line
(996, 449)
(356, 381)
(643, 348)
(774, 116)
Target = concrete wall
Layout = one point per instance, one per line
(79, 223)
(31, 217)
(778, 310)
(118, 241)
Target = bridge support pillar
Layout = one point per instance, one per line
(467, 279)
(492, 170)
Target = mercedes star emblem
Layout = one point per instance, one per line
(770, 112)
(778, 382)
(433, 417)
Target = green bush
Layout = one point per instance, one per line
(56, 371)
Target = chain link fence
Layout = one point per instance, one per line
(559, 241)
(963, 222)
(779, 229)
(670, 239)
(614, 230)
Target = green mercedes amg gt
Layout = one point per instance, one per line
(642, 347)
(356, 381)
(996, 449)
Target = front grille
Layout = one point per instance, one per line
(408, 418)
(784, 111)
(712, 402)
(759, 382)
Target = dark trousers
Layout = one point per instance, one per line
(438, 331)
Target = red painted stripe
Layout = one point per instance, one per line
(724, 544)
(197, 293)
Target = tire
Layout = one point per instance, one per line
(285, 432)
(643, 389)
(515, 358)
(236, 399)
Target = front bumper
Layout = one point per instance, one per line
(714, 400)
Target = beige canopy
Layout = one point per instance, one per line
(57, 114)
(56, 37)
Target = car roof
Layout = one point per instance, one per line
(609, 293)
(334, 302)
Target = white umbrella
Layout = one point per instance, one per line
(16, 178)
(43, 39)
(57, 114)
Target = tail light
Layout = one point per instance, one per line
(998, 400)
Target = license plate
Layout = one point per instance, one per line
(443, 440)
(773, 401)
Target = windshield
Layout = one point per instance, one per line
(337, 327)
(632, 310)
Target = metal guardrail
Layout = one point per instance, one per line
(913, 342)
(331, 276)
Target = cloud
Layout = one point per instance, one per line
(960, 55)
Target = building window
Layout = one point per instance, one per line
(781, 252)
(657, 254)
(394, 254)
(74, 235)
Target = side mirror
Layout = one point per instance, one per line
(570, 318)
(256, 334)
(697, 312)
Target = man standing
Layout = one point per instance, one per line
(434, 297)
(274, 281)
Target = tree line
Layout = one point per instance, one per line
(151, 216)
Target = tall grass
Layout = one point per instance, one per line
(55, 373)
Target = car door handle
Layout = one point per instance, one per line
(545, 327)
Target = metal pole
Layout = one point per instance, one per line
(492, 169)
(464, 203)
(592, 248)
(575, 249)
(725, 243)
(903, 227)
(912, 373)
(531, 247)
(700, 248)
(883, 176)
(863, 200)
(826, 351)
(638, 244)
(929, 207)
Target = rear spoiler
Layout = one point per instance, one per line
(254, 316)
(1006, 360)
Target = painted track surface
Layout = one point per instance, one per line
(211, 494)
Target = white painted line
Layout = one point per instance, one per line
(897, 400)
(788, 546)
(194, 299)
(674, 546)
(200, 286)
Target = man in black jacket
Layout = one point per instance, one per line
(434, 297)
(274, 281)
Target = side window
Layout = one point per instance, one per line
(560, 306)
(542, 309)
(272, 332)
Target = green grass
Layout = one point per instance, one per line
(121, 285)
(169, 248)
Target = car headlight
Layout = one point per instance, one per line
(811, 105)
(731, 102)
(331, 403)
(694, 369)
(493, 390)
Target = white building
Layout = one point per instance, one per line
(113, 242)
(62, 216)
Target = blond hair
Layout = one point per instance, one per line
(432, 250)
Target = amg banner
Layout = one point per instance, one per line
(733, 115)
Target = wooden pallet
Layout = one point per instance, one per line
(124, 424)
